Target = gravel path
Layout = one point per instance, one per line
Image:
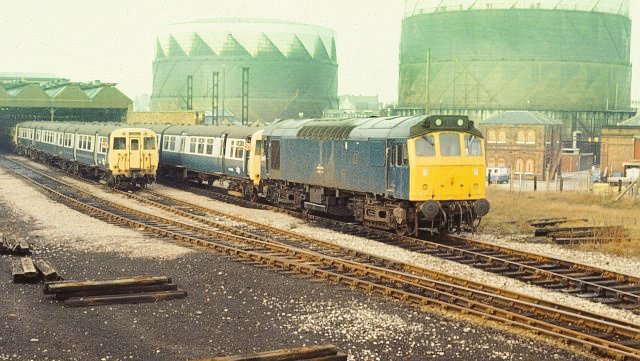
(231, 308)
(426, 261)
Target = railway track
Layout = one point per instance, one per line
(253, 243)
(586, 282)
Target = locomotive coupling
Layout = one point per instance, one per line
(430, 209)
(481, 207)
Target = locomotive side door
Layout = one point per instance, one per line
(397, 171)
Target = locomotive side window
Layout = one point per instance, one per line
(426, 146)
(399, 155)
(149, 143)
(472, 145)
(275, 154)
(449, 145)
(119, 143)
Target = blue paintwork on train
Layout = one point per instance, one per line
(218, 163)
(355, 161)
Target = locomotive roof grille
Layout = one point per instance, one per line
(325, 131)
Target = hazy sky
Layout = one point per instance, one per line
(113, 40)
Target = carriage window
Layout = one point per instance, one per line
(104, 145)
(201, 145)
(472, 145)
(150, 143)
(165, 143)
(192, 145)
(210, 146)
(119, 143)
(449, 145)
(172, 143)
(237, 149)
(425, 146)
(135, 144)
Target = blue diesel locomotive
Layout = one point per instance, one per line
(394, 173)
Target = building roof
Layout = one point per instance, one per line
(632, 122)
(60, 93)
(521, 118)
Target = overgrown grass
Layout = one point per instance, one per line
(511, 210)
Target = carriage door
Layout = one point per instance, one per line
(247, 155)
(397, 174)
(135, 151)
(223, 151)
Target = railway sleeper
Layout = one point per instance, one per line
(498, 269)
(609, 300)
(515, 274)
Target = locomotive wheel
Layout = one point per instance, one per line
(404, 229)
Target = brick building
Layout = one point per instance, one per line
(620, 145)
(527, 142)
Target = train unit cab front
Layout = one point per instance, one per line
(132, 156)
(446, 179)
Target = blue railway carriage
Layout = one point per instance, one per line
(206, 153)
(115, 153)
(395, 173)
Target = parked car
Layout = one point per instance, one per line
(498, 175)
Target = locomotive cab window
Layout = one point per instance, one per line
(119, 143)
(426, 146)
(150, 143)
(472, 145)
(135, 144)
(449, 145)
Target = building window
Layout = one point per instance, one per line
(531, 137)
(520, 139)
(491, 136)
(530, 166)
(519, 165)
(502, 162)
(502, 136)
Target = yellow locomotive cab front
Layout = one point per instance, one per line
(446, 166)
